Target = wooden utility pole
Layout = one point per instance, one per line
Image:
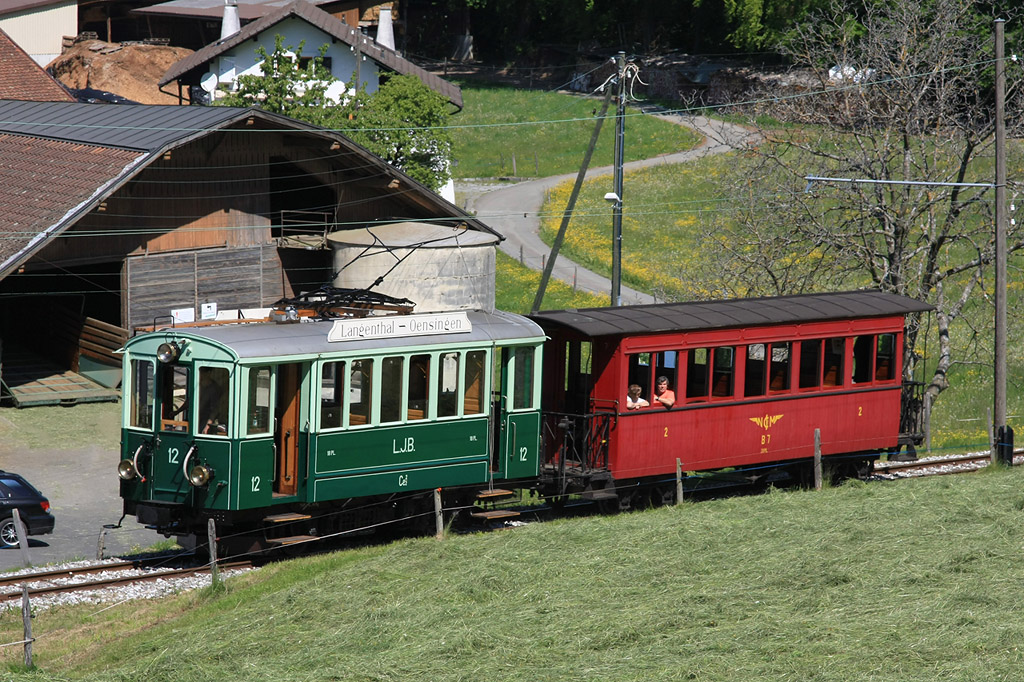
(1001, 434)
(620, 143)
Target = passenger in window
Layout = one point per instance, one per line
(633, 399)
(662, 394)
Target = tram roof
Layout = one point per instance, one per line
(269, 339)
(740, 312)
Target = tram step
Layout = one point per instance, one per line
(286, 517)
(291, 540)
(494, 514)
(494, 494)
(598, 495)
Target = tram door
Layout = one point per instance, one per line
(287, 420)
(518, 438)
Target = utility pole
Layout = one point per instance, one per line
(1002, 435)
(620, 136)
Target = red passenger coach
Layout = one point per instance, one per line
(748, 383)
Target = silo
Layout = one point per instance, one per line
(439, 267)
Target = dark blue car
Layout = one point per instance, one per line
(32, 506)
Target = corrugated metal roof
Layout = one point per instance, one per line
(742, 312)
(268, 339)
(147, 128)
(333, 27)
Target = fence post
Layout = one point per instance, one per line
(679, 481)
(19, 528)
(26, 617)
(515, 172)
(101, 545)
(817, 459)
(211, 534)
(438, 515)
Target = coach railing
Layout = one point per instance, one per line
(576, 445)
(912, 413)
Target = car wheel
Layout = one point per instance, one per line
(8, 533)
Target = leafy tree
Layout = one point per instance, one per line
(402, 122)
(895, 97)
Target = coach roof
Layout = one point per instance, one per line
(740, 312)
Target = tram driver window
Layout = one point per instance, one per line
(863, 346)
(258, 412)
(141, 410)
(360, 392)
(174, 398)
(698, 365)
(391, 389)
(448, 385)
(332, 391)
(419, 381)
(213, 401)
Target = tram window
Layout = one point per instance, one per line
(885, 361)
(448, 385)
(779, 368)
(697, 367)
(391, 389)
(360, 392)
(419, 387)
(665, 365)
(723, 372)
(639, 374)
(862, 357)
(472, 401)
(522, 392)
(214, 400)
(141, 410)
(258, 413)
(174, 398)
(832, 372)
(754, 381)
(810, 364)
(332, 392)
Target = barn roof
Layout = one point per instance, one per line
(62, 159)
(330, 25)
(741, 312)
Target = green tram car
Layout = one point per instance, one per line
(279, 431)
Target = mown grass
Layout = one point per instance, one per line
(907, 581)
(538, 129)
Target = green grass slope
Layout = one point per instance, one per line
(898, 581)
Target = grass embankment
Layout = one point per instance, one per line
(886, 581)
(547, 134)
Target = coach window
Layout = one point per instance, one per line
(885, 360)
(448, 385)
(473, 384)
(391, 384)
(174, 398)
(522, 381)
(638, 373)
(665, 364)
(360, 392)
(698, 364)
(213, 401)
(832, 371)
(810, 364)
(779, 368)
(724, 372)
(754, 374)
(863, 349)
(257, 414)
(332, 392)
(419, 387)
(141, 409)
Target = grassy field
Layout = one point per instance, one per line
(517, 287)
(906, 581)
(546, 133)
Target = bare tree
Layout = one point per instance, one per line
(898, 94)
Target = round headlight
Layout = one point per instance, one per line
(167, 352)
(126, 470)
(200, 475)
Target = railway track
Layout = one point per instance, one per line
(936, 466)
(119, 574)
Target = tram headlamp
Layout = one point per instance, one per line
(167, 353)
(126, 470)
(200, 475)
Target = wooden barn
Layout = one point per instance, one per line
(116, 217)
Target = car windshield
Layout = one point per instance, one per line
(16, 488)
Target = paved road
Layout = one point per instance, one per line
(514, 210)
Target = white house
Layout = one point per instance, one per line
(38, 26)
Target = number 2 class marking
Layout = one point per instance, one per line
(860, 410)
(666, 432)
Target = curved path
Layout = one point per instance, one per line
(514, 211)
